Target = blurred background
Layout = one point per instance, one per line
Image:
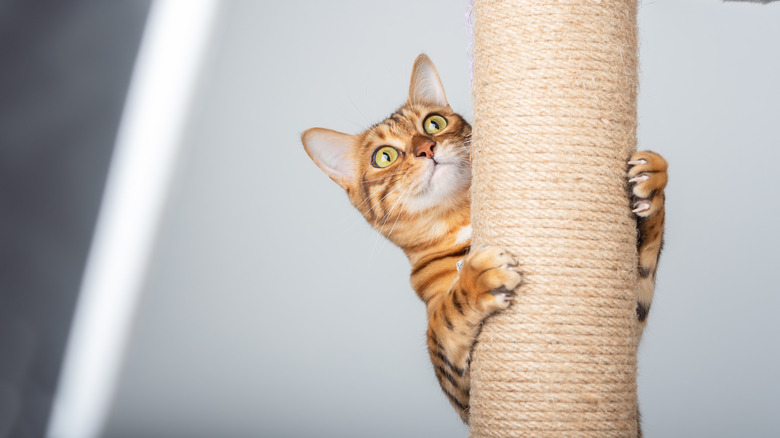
(261, 314)
(64, 71)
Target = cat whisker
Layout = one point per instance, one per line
(389, 213)
(395, 204)
(363, 215)
(390, 233)
(354, 105)
(380, 201)
(369, 197)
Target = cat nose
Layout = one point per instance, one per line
(425, 149)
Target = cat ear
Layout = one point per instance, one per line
(425, 86)
(331, 151)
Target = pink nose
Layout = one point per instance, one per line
(425, 150)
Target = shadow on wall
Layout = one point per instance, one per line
(66, 69)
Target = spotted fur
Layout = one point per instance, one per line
(647, 181)
(421, 203)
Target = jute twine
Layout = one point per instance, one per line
(555, 86)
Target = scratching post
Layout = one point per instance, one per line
(555, 85)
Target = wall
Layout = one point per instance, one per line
(263, 314)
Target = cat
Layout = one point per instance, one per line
(409, 176)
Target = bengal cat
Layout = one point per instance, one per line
(409, 176)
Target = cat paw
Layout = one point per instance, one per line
(489, 277)
(647, 180)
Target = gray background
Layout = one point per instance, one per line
(64, 70)
(262, 314)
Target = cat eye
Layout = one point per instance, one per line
(384, 156)
(434, 124)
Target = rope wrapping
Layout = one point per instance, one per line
(555, 84)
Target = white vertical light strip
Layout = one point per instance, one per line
(161, 90)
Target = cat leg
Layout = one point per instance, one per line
(647, 180)
(485, 286)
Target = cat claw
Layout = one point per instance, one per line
(503, 291)
(646, 182)
(640, 207)
(503, 297)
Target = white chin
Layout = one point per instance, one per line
(446, 184)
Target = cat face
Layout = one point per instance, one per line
(416, 160)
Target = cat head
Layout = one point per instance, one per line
(416, 160)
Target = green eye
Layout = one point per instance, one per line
(434, 124)
(385, 156)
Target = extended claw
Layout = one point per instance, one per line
(641, 206)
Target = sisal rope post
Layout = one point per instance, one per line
(555, 85)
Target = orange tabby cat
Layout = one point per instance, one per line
(409, 176)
